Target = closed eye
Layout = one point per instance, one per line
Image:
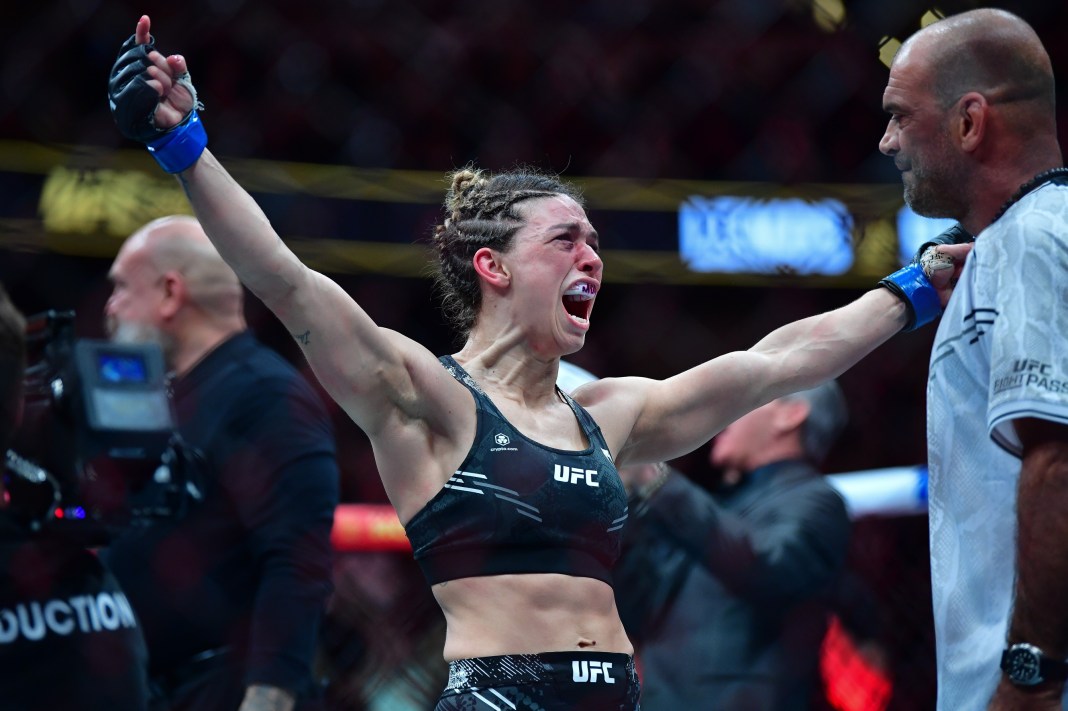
(573, 239)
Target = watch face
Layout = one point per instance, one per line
(1023, 665)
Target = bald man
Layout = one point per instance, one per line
(231, 595)
(972, 130)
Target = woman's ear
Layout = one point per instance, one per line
(489, 267)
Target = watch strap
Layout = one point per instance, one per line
(1053, 669)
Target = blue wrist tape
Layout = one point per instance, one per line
(912, 286)
(180, 147)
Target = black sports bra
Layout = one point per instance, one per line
(516, 506)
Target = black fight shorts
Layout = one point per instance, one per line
(553, 681)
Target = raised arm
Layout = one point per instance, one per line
(369, 371)
(660, 420)
(345, 348)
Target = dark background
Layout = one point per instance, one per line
(715, 90)
(652, 90)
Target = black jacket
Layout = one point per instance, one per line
(727, 598)
(249, 567)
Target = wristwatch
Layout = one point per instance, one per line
(1025, 665)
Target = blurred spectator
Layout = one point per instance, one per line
(382, 636)
(728, 596)
(232, 595)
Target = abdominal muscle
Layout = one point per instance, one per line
(528, 614)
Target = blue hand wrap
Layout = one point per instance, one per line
(180, 147)
(911, 285)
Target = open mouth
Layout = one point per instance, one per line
(578, 301)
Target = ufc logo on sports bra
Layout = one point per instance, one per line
(574, 475)
(589, 671)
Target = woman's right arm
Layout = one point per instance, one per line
(363, 367)
(378, 376)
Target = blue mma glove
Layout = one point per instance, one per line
(911, 283)
(133, 105)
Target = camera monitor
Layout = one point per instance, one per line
(123, 387)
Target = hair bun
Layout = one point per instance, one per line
(462, 181)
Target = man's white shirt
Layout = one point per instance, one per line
(1000, 353)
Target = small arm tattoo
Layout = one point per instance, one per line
(303, 338)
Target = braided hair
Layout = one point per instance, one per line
(481, 212)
